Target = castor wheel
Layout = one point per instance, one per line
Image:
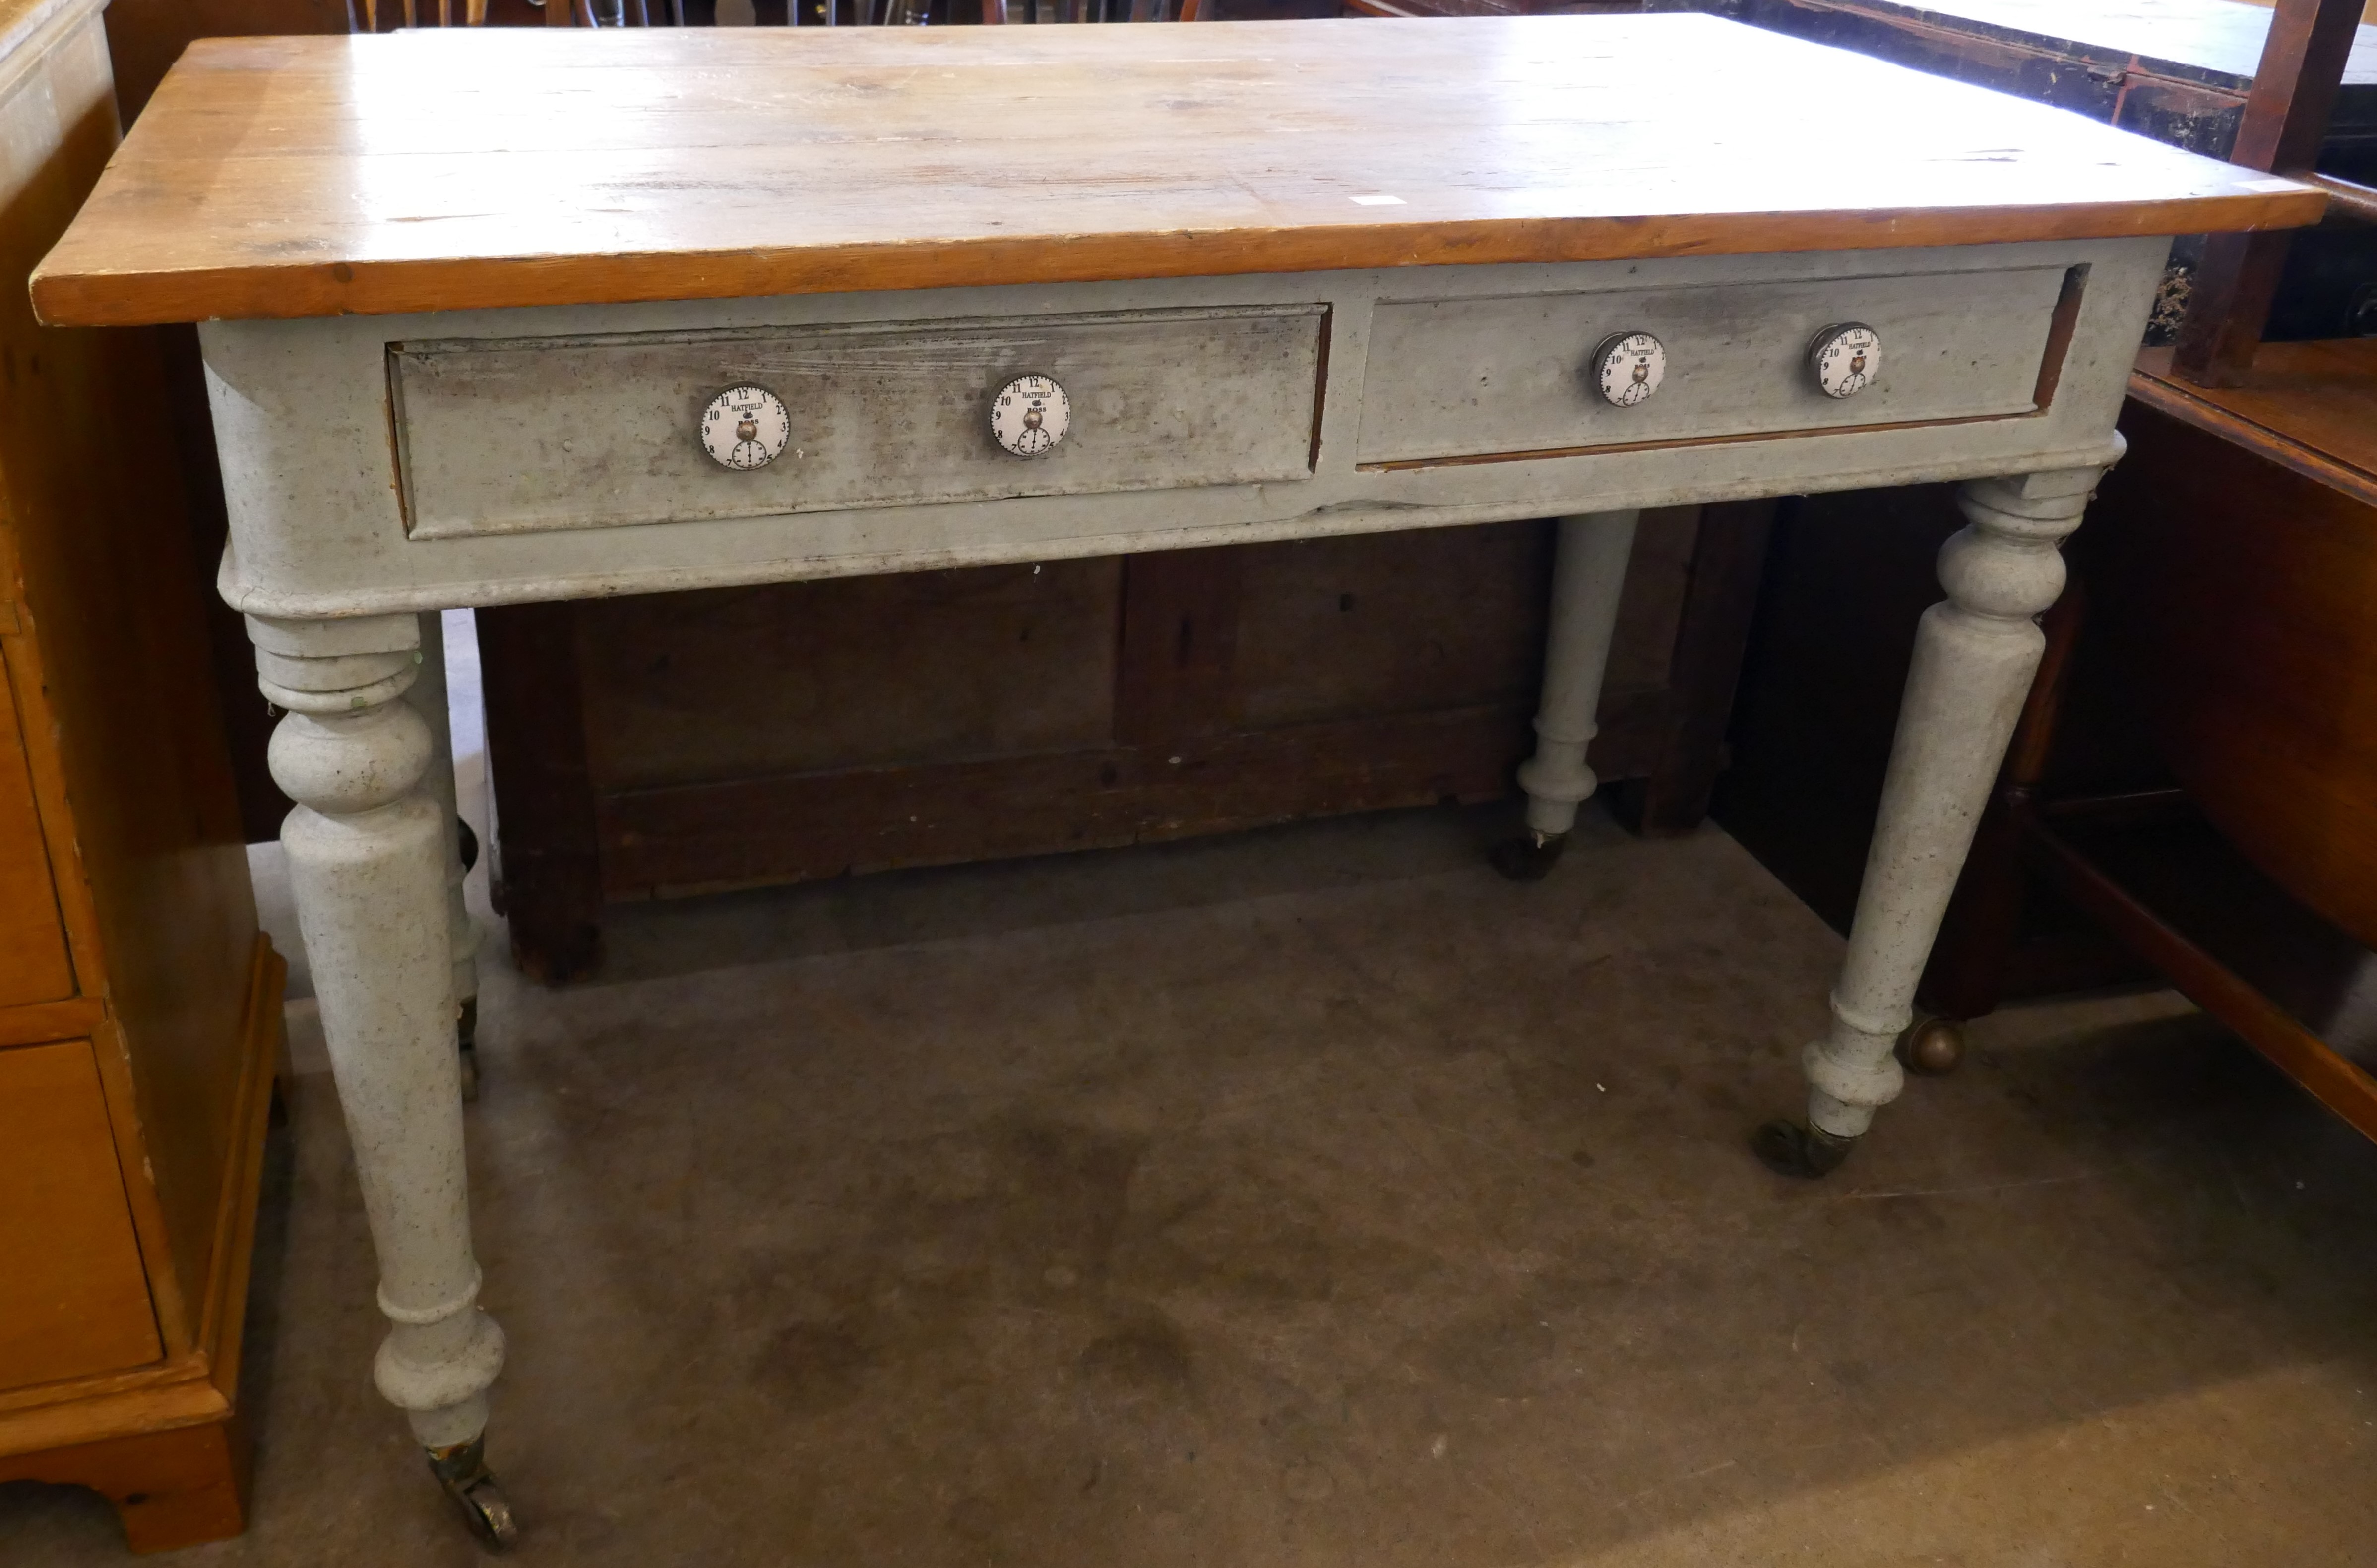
(1794, 1148)
(466, 1042)
(1934, 1048)
(462, 1471)
(1529, 857)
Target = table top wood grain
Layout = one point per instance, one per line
(445, 170)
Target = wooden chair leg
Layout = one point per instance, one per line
(170, 1488)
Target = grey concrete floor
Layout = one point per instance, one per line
(1313, 1197)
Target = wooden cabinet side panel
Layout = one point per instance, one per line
(73, 1298)
(2236, 599)
(129, 756)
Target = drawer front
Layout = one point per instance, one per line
(510, 435)
(1480, 376)
(73, 1298)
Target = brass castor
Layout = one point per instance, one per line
(1792, 1148)
(462, 1471)
(1529, 857)
(1933, 1048)
(466, 1041)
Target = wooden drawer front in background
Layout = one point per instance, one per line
(73, 1298)
(33, 962)
(510, 435)
(1474, 376)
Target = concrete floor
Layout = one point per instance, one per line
(1315, 1198)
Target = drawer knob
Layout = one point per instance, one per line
(1629, 367)
(1030, 415)
(1846, 358)
(745, 427)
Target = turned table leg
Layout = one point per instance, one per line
(427, 696)
(1588, 577)
(1974, 654)
(368, 847)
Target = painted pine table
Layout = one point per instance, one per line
(500, 316)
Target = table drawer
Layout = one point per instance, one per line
(518, 435)
(1487, 375)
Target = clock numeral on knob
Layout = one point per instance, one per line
(1030, 415)
(745, 427)
(1628, 368)
(1847, 358)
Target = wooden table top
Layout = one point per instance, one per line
(445, 170)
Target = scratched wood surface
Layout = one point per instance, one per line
(449, 170)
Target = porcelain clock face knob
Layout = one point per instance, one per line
(1030, 415)
(1845, 359)
(1629, 367)
(745, 427)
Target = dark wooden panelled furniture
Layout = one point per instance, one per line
(739, 737)
(2235, 607)
(2191, 795)
(139, 1007)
